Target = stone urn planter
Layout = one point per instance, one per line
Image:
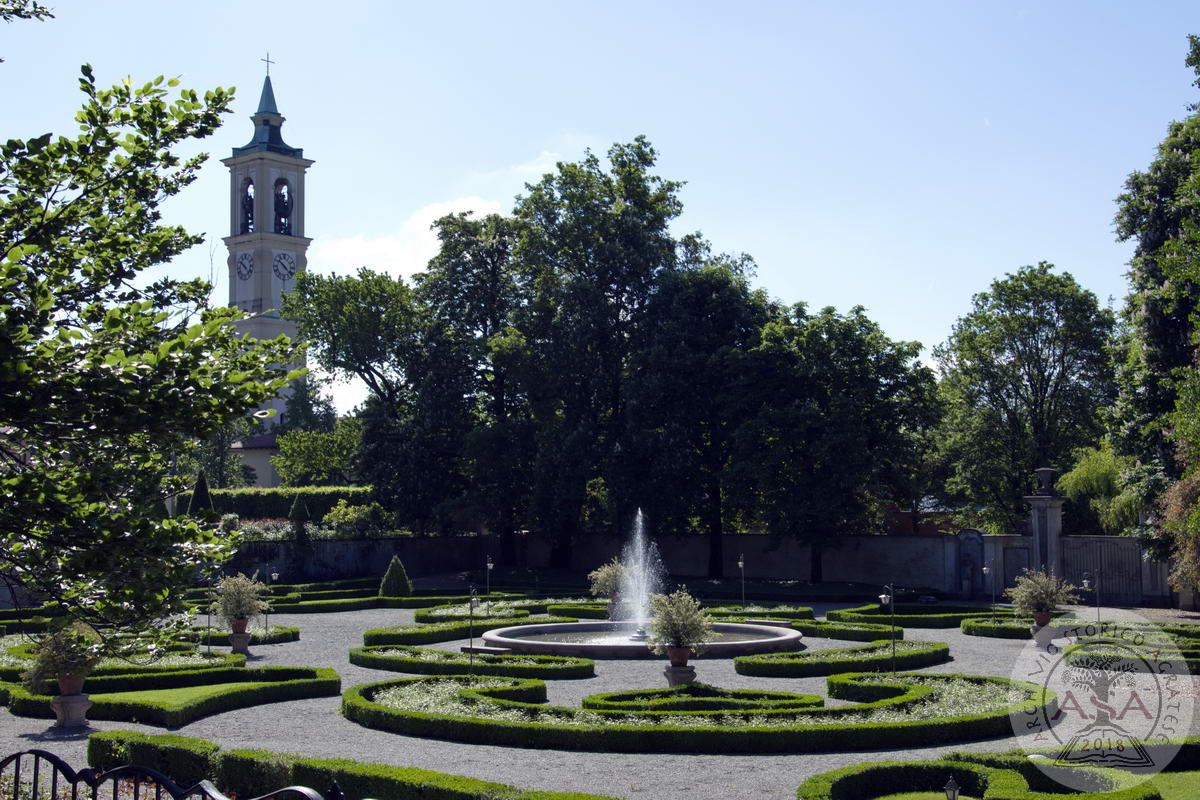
(70, 683)
(678, 656)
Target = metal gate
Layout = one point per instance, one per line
(41, 775)
(1112, 563)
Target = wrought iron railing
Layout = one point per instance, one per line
(41, 775)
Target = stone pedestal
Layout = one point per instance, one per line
(1045, 523)
(678, 675)
(240, 642)
(70, 710)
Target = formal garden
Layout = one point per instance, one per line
(611, 520)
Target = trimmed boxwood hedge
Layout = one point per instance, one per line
(215, 660)
(275, 503)
(359, 706)
(599, 611)
(448, 631)
(250, 773)
(998, 628)
(1003, 779)
(220, 638)
(871, 657)
(508, 666)
(789, 613)
(365, 602)
(246, 687)
(916, 615)
(847, 631)
(429, 616)
(698, 697)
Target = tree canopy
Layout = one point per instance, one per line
(106, 373)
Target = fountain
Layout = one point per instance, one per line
(640, 578)
(626, 638)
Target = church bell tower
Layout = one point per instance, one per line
(267, 246)
(266, 242)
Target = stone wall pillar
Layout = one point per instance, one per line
(1045, 522)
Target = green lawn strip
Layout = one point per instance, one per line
(181, 704)
(578, 611)
(698, 697)
(847, 631)
(518, 717)
(428, 661)
(448, 631)
(871, 657)
(251, 773)
(1177, 785)
(127, 666)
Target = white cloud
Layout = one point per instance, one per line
(527, 171)
(402, 253)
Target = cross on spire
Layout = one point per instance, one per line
(268, 62)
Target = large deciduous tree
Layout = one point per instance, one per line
(690, 391)
(594, 241)
(836, 398)
(1028, 378)
(107, 374)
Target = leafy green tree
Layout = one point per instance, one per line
(474, 288)
(1100, 490)
(307, 408)
(835, 397)
(594, 241)
(395, 581)
(1159, 212)
(688, 395)
(103, 379)
(316, 458)
(1028, 377)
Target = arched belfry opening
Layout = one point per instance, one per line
(247, 207)
(283, 207)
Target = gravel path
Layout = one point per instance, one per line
(316, 728)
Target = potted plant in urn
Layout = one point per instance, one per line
(68, 656)
(606, 582)
(678, 627)
(239, 600)
(1039, 593)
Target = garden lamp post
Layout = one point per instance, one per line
(888, 598)
(1087, 584)
(742, 569)
(208, 624)
(471, 606)
(488, 578)
(267, 611)
(987, 570)
(952, 789)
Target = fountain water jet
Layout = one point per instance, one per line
(641, 576)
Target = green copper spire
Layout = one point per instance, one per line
(266, 103)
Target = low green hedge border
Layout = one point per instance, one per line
(871, 657)
(448, 631)
(508, 666)
(761, 612)
(215, 660)
(578, 611)
(246, 687)
(698, 697)
(359, 706)
(220, 638)
(1000, 779)
(847, 631)
(915, 615)
(363, 603)
(256, 502)
(250, 773)
(427, 616)
(997, 628)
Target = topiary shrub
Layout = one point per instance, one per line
(395, 581)
(200, 503)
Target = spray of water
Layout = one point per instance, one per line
(643, 572)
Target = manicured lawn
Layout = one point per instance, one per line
(924, 796)
(174, 698)
(1178, 785)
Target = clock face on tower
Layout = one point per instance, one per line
(284, 266)
(245, 266)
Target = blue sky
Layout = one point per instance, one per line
(897, 156)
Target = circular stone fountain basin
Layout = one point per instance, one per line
(611, 640)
